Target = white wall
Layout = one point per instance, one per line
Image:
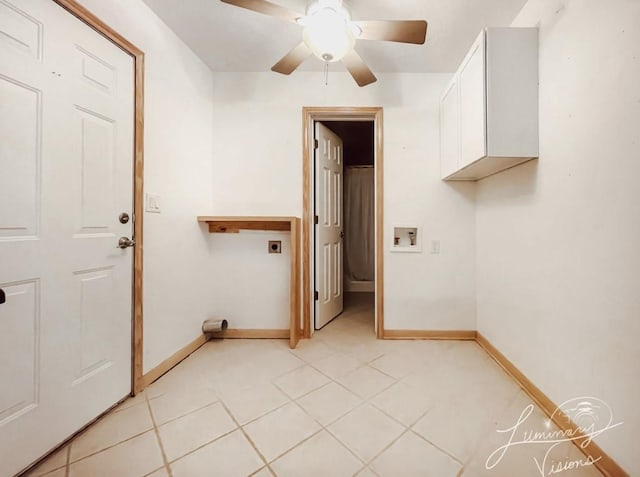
(178, 138)
(559, 238)
(257, 170)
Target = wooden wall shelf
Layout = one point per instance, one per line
(218, 224)
(235, 224)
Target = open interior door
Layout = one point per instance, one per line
(329, 227)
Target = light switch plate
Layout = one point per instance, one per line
(152, 202)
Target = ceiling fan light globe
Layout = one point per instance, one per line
(328, 35)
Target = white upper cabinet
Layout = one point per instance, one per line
(489, 111)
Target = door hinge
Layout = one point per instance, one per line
(315, 295)
(316, 144)
(315, 219)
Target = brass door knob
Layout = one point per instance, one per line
(125, 242)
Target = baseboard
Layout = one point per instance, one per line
(252, 334)
(172, 360)
(604, 463)
(429, 334)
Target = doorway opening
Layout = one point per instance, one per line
(342, 221)
(353, 283)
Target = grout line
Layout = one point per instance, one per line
(222, 436)
(302, 365)
(368, 363)
(360, 365)
(261, 415)
(92, 425)
(386, 388)
(154, 471)
(189, 412)
(366, 400)
(409, 426)
(365, 464)
(506, 408)
(108, 447)
(429, 441)
(241, 428)
(382, 372)
(307, 393)
(277, 386)
(325, 428)
(260, 470)
(360, 404)
(388, 446)
(296, 445)
(157, 432)
(451, 456)
(359, 471)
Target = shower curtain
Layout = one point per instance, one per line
(359, 247)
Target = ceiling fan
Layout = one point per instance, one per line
(330, 34)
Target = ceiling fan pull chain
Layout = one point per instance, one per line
(326, 73)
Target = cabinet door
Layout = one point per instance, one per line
(472, 104)
(449, 130)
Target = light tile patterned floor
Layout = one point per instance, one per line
(342, 404)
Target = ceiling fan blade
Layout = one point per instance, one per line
(267, 8)
(358, 69)
(292, 60)
(403, 31)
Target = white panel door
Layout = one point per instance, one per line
(329, 230)
(472, 104)
(66, 157)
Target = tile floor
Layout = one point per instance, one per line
(342, 404)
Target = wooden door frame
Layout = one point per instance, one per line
(309, 116)
(80, 12)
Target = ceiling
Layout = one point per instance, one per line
(229, 38)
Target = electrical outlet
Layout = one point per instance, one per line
(275, 246)
(435, 247)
